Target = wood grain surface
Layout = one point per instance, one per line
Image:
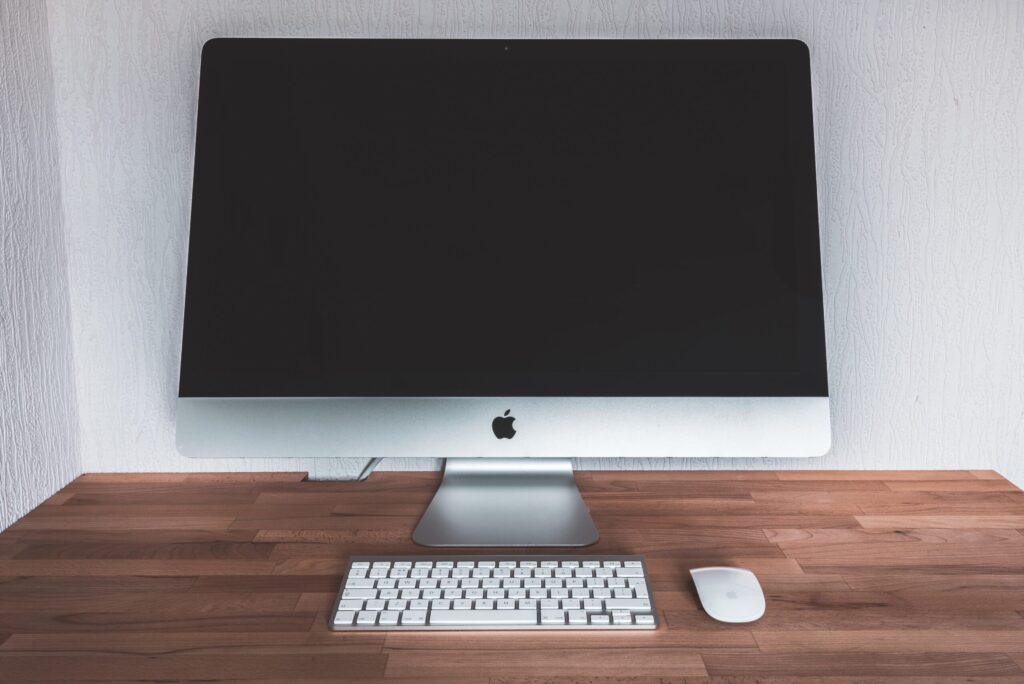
(869, 577)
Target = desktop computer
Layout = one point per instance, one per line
(506, 254)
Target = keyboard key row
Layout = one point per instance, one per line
(461, 573)
(491, 583)
(606, 605)
(488, 617)
(498, 564)
(430, 594)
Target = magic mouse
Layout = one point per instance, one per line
(729, 594)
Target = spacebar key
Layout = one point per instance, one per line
(483, 617)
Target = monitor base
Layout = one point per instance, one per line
(506, 502)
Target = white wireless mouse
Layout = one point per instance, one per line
(729, 594)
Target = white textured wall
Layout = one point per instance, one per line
(920, 133)
(38, 428)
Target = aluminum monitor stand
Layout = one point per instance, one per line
(506, 502)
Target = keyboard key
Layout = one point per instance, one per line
(629, 572)
(549, 604)
(375, 604)
(388, 617)
(344, 617)
(622, 618)
(359, 594)
(363, 565)
(462, 604)
(644, 619)
(419, 605)
(552, 617)
(483, 617)
(599, 619)
(366, 617)
(505, 604)
(577, 617)
(627, 604)
(633, 564)
(350, 604)
(414, 617)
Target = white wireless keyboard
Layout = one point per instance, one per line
(494, 592)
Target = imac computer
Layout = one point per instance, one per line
(506, 254)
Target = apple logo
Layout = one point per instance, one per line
(502, 426)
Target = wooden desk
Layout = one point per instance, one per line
(870, 576)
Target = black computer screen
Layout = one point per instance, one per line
(503, 218)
